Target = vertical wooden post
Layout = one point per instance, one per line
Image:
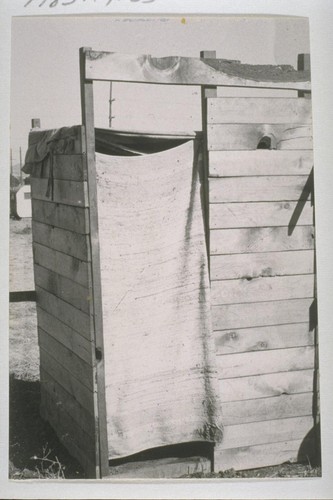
(206, 91)
(87, 106)
(35, 123)
(21, 173)
(11, 161)
(303, 64)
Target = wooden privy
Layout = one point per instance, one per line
(253, 198)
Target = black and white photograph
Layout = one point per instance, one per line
(162, 249)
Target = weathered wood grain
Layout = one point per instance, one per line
(270, 431)
(247, 136)
(258, 110)
(253, 265)
(237, 215)
(266, 385)
(65, 167)
(70, 315)
(67, 192)
(67, 359)
(62, 287)
(248, 457)
(80, 444)
(96, 317)
(282, 312)
(259, 162)
(61, 397)
(259, 410)
(270, 188)
(263, 338)
(59, 215)
(61, 263)
(70, 383)
(262, 289)
(253, 240)
(190, 71)
(161, 468)
(260, 362)
(62, 240)
(70, 338)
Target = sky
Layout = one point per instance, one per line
(45, 66)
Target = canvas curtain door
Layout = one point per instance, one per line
(158, 344)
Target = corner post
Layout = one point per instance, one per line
(303, 64)
(206, 92)
(87, 107)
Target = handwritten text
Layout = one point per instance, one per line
(55, 3)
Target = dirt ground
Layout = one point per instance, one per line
(34, 450)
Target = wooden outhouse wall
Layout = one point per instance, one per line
(262, 276)
(62, 256)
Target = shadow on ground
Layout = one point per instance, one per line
(30, 436)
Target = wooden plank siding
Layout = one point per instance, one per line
(247, 136)
(62, 270)
(64, 167)
(62, 216)
(61, 263)
(259, 162)
(253, 265)
(262, 276)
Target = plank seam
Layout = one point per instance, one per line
(269, 397)
(66, 370)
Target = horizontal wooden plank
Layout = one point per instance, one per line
(68, 314)
(258, 110)
(66, 358)
(259, 362)
(190, 71)
(263, 338)
(259, 162)
(281, 312)
(61, 263)
(70, 338)
(264, 214)
(66, 192)
(258, 410)
(63, 216)
(247, 136)
(69, 167)
(270, 431)
(161, 468)
(264, 455)
(266, 385)
(253, 265)
(60, 396)
(262, 289)
(64, 288)
(80, 444)
(62, 240)
(80, 393)
(254, 240)
(270, 188)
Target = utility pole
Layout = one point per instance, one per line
(21, 173)
(11, 161)
(110, 106)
